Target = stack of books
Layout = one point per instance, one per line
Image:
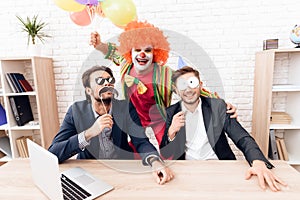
(18, 83)
(280, 118)
(281, 148)
(277, 147)
(22, 146)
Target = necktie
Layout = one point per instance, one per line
(130, 80)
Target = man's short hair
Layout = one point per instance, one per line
(86, 75)
(182, 71)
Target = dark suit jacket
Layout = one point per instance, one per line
(80, 117)
(216, 122)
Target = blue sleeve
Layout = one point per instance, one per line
(65, 143)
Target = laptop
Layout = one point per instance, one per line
(74, 183)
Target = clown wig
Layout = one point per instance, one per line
(141, 34)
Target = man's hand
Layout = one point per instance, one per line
(161, 173)
(231, 110)
(104, 121)
(178, 121)
(264, 176)
(95, 40)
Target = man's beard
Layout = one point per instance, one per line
(105, 101)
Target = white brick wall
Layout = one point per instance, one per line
(228, 32)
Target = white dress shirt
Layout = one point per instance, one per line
(197, 144)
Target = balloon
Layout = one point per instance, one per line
(88, 2)
(69, 5)
(123, 26)
(82, 18)
(119, 12)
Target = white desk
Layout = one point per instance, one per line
(194, 180)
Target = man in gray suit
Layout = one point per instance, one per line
(196, 129)
(98, 127)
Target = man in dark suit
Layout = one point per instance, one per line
(196, 129)
(98, 127)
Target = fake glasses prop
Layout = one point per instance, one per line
(101, 81)
(183, 84)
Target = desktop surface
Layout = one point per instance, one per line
(193, 180)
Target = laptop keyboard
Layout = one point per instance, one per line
(71, 190)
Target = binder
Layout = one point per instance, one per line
(5, 146)
(21, 109)
(273, 152)
(16, 77)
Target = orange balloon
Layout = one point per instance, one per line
(82, 18)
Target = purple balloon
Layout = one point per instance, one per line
(88, 2)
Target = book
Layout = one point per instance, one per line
(18, 83)
(26, 86)
(22, 146)
(21, 109)
(280, 118)
(10, 83)
(3, 119)
(273, 153)
(284, 150)
(16, 77)
(280, 153)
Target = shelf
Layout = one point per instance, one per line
(25, 127)
(5, 159)
(3, 127)
(43, 101)
(286, 88)
(284, 126)
(21, 94)
(296, 50)
(293, 161)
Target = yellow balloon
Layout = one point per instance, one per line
(69, 5)
(119, 12)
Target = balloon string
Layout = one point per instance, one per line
(91, 12)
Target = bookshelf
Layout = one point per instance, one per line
(277, 89)
(38, 71)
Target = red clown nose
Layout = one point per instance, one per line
(142, 55)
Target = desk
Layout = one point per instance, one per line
(194, 180)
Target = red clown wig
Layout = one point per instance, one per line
(141, 34)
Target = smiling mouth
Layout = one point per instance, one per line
(190, 94)
(142, 61)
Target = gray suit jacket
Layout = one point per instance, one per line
(216, 122)
(80, 117)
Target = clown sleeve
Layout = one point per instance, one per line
(113, 54)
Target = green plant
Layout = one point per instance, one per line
(34, 28)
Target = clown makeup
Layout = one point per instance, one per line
(183, 84)
(142, 57)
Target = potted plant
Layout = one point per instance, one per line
(34, 29)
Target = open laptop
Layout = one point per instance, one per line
(74, 183)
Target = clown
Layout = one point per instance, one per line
(142, 55)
